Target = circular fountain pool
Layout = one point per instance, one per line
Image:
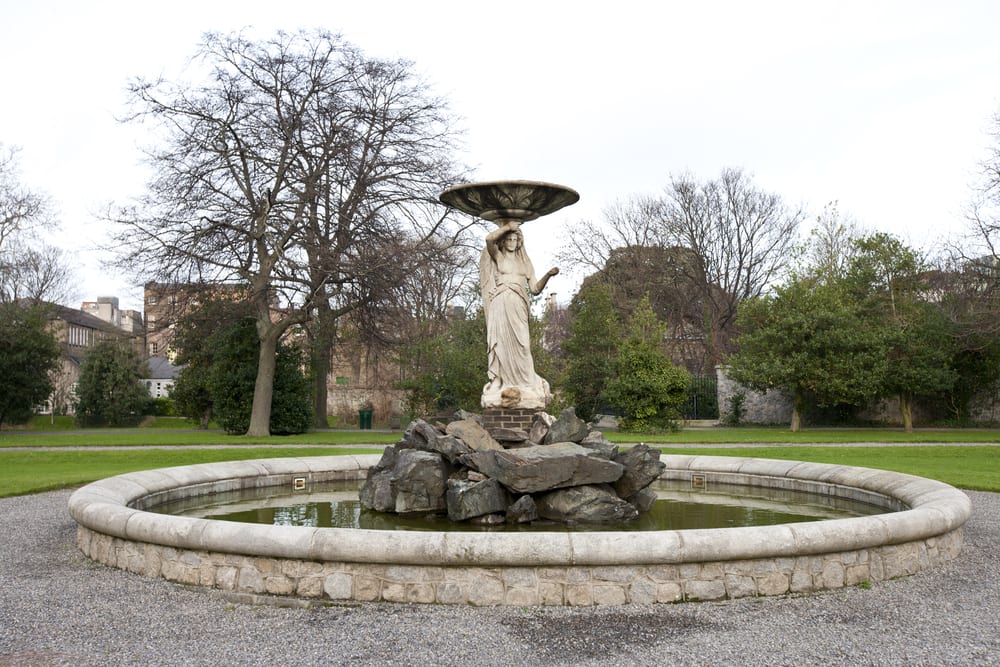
(922, 529)
(678, 507)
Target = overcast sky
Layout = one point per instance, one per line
(883, 106)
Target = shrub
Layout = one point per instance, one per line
(647, 389)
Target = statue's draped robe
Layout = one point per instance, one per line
(506, 301)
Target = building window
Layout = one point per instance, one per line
(343, 380)
(80, 336)
(154, 349)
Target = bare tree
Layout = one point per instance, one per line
(37, 273)
(634, 222)
(29, 268)
(972, 268)
(21, 209)
(246, 189)
(831, 245)
(371, 176)
(983, 237)
(699, 249)
(742, 237)
(441, 288)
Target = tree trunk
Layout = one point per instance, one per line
(796, 414)
(322, 351)
(321, 372)
(906, 410)
(260, 416)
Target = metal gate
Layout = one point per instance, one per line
(703, 398)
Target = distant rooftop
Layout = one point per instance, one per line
(160, 368)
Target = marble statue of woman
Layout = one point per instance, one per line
(507, 278)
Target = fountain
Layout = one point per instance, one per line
(922, 526)
(609, 567)
(514, 463)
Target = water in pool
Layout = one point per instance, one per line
(679, 507)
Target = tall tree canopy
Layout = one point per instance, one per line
(728, 240)
(298, 167)
(887, 278)
(666, 277)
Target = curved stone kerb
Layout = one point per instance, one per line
(103, 507)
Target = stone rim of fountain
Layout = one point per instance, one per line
(113, 529)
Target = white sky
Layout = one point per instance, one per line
(884, 106)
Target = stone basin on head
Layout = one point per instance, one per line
(505, 200)
(547, 568)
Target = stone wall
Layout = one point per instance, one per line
(520, 586)
(771, 407)
(345, 401)
(775, 407)
(986, 409)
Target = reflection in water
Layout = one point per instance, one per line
(336, 504)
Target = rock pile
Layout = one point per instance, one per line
(560, 470)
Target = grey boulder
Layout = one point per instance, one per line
(567, 428)
(472, 434)
(585, 504)
(468, 499)
(641, 467)
(544, 467)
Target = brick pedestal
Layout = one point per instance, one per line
(508, 418)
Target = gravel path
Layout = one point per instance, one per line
(59, 608)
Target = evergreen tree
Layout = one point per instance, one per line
(28, 354)
(591, 349)
(110, 392)
(447, 372)
(218, 348)
(196, 339)
(233, 372)
(884, 276)
(813, 341)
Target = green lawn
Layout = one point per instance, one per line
(975, 467)
(168, 431)
(160, 437)
(970, 466)
(781, 435)
(24, 472)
